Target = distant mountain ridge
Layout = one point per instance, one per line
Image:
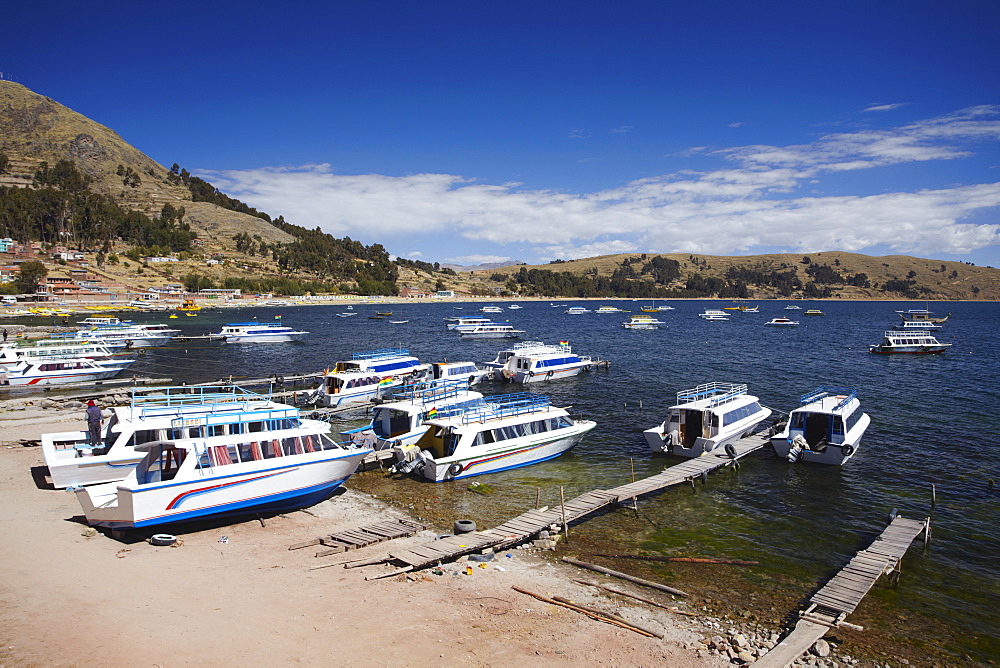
(484, 266)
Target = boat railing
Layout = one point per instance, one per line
(179, 397)
(845, 394)
(380, 354)
(429, 391)
(719, 393)
(495, 407)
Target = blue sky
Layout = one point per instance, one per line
(470, 132)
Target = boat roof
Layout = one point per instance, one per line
(177, 399)
(495, 407)
(713, 394)
(428, 392)
(842, 395)
(381, 353)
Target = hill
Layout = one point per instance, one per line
(829, 274)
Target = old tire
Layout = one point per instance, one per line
(464, 526)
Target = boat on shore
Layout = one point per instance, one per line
(491, 434)
(185, 412)
(255, 332)
(826, 428)
(706, 419)
(912, 343)
(534, 361)
(186, 478)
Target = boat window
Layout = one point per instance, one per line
(144, 436)
(853, 418)
(484, 437)
(255, 426)
(740, 413)
(837, 430)
(217, 430)
(324, 442)
(565, 421)
(271, 449)
(246, 452)
(675, 417)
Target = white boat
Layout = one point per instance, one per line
(717, 315)
(278, 302)
(917, 326)
(60, 370)
(132, 335)
(781, 322)
(401, 420)
(146, 305)
(913, 343)
(751, 309)
(642, 321)
(489, 435)
(493, 330)
(346, 315)
(466, 372)
(922, 314)
(793, 307)
(577, 310)
(491, 309)
(257, 332)
(826, 428)
(464, 322)
(291, 463)
(170, 413)
(367, 375)
(610, 309)
(11, 353)
(534, 361)
(94, 321)
(706, 419)
(514, 307)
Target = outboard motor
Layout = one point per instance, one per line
(798, 445)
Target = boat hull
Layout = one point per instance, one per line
(540, 376)
(523, 453)
(908, 350)
(701, 446)
(295, 484)
(833, 455)
(266, 338)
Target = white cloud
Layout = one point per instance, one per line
(758, 199)
(579, 133)
(885, 107)
(623, 129)
(735, 124)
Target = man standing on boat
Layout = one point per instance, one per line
(94, 421)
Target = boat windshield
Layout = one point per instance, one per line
(390, 422)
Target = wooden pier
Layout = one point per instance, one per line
(840, 596)
(528, 524)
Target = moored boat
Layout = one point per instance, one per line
(781, 322)
(466, 372)
(813, 311)
(642, 322)
(826, 428)
(491, 434)
(577, 310)
(534, 361)
(367, 375)
(60, 370)
(913, 343)
(493, 330)
(917, 326)
(257, 332)
(705, 419)
(922, 314)
(610, 309)
(133, 335)
(714, 315)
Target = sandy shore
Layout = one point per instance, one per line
(71, 596)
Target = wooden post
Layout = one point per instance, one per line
(562, 508)
(635, 503)
(933, 495)
(538, 496)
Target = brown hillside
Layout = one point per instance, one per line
(35, 128)
(946, 280)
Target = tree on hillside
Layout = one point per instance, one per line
(4, 161)
(30, 275)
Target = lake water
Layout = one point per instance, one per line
(934, 421)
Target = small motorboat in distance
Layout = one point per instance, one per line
(793, 307)
(715, 315)
(610, 309)
(491, 330)
(918, 326)
(826, 428)
(576, 310)
(781, 322)
(921, 314)
(814, 311)
(706, 418)
(913, 343)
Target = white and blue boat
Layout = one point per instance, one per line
(491, 434)
(257, 332)
(534, 361)
(367, 375)
(171, 413)
(401, 420)
(203, 476)
(60, 370)
(705, 419)
(462, 322)
(826, 428)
